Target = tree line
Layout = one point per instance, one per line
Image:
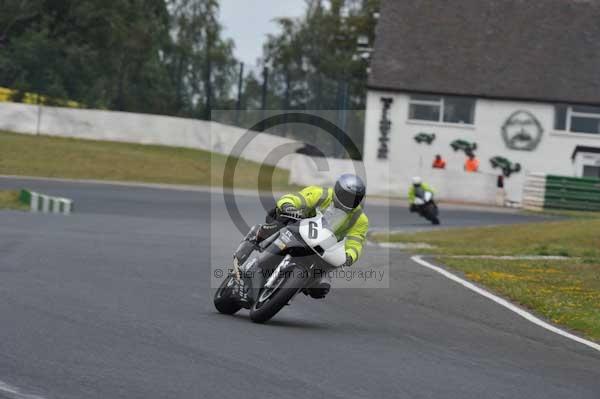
(170, 56)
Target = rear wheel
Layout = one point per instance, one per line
(431, 213)
(224, 300)
(271, 300)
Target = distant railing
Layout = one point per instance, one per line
(6, 95)
(561, 192)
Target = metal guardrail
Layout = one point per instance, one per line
(46, 203)
(534, 192)
(561, 192)
(572, 193)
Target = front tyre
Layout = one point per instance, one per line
(271, 300)
(224, 300)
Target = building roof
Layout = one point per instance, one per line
(584, 149)
(546, 50)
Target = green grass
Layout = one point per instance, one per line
(10, 200)
(577, 237)
(567, 292)
(45, 156)
(567, 213)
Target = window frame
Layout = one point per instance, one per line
(441, 103)
(570, 114)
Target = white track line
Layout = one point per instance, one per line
(502, 302)
(16, 392)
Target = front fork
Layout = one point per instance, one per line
(285, 266)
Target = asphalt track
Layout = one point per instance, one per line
(114, 301)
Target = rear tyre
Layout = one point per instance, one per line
(224, 301)
(430, 213)
(270, 301)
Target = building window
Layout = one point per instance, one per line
(446, 109)
(591, 171)
(577, 119)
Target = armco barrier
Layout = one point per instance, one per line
(561, 192)
(572, 193)
(534, 191)
(45, 203)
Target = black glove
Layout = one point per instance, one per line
(291, 210)
(349, 261)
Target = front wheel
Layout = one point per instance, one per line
(225, 302)
(271, 300)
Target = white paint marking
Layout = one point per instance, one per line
(400, 245)
(502, 302)
(16, 392)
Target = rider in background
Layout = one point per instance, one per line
(417, 183)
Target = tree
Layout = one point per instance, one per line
(315, 63)
(201, 64)
(151, 56)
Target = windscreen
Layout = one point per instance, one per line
(333, 218)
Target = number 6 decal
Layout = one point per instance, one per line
(312, 230)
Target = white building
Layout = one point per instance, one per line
(519, 78)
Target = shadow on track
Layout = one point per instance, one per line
(277, 323)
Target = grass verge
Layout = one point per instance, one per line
(567, 213)
(567, 292)
(577, 238)
(45, 156)
(9, 199)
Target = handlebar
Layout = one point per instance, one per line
(290, 217)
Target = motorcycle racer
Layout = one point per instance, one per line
(344, 198)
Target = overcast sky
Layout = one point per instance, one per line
(247, 22)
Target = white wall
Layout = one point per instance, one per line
(406, 158)
(308, 171)
(449, 184)
(137, 128)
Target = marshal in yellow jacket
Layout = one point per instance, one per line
(354, 228)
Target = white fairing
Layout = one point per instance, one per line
(427, 196)
(316, 232)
